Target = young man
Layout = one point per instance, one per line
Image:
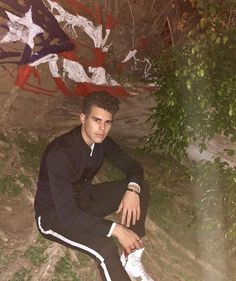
(70, 209)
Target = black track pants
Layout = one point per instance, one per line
(104, 199)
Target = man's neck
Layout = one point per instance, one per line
(85, 137)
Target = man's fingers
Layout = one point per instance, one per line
(134, 217)
(123, 217)
(129, 215)
(128, 218)
(138, 213)
(137, 244)
(140, 242)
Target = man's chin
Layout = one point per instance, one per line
(99, 139)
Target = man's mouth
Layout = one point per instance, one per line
(100, 135)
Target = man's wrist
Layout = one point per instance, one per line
(132, 190)
(117, 230)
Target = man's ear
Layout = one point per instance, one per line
(82, 117)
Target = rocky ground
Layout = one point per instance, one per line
(174, 247)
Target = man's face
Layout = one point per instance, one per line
(95, 125)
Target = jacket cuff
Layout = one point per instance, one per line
(111, 229)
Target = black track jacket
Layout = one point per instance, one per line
(68, 163)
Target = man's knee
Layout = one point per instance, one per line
(110, 250)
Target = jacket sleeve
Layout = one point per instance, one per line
(120, 159)
(59, 171)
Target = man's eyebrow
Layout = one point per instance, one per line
(95, 117)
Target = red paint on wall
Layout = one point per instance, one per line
(69, 56)
(97, 14)
(142, 43)
(99, 58)
(99, 17)
(78, 8)
(23, 74)
(62, 86)
(120, 67)
(110, 21)
(84, 89)
(35, 90)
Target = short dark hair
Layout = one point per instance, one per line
(100, 99)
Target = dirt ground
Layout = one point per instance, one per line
(24, 255)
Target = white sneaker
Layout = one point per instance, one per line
(133, 266)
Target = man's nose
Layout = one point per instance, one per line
(102, 126)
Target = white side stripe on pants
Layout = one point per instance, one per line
(78, 245)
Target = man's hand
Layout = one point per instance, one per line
(127, 238)
(130, 207)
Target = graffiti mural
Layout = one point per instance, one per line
(54, 33)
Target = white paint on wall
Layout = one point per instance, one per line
(44, 59)
(51, 59)
(111, 81)
(147, 64)
(75, 71)
(22, 29)
(130, 55)
(54, 67)
(94, 32)
(147, 68)
(98, 75)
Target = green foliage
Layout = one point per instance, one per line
(35, 254)
(5, 259)
(24, 180)
(84, 259)
(196, 101)
(64, 271)
(160, 199)
(31, 150)
(22, 275)
(13, 185)
(10, 186)
(112, 173)
(196, 95)
(217, 207)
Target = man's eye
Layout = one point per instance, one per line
(108, 122)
